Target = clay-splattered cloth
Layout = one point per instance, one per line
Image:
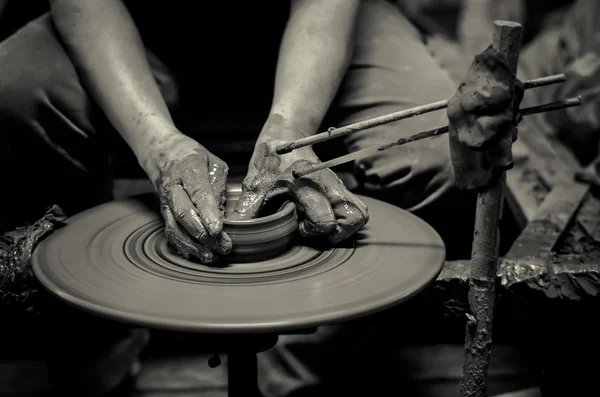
(18, 286)
(482, 121)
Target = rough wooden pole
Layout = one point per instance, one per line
(484, 256)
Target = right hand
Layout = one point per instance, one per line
(190, 182)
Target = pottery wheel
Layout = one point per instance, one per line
(114, 261)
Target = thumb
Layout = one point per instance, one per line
(248, 205)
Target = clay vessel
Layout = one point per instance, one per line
(264, 237)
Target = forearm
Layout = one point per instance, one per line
(316, 50)
(106, 48)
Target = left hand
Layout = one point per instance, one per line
(325, 206)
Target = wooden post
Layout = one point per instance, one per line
(484, 255)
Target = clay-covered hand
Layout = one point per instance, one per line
(482, 121)
(191, 182)
(325, 207)
(415, 175)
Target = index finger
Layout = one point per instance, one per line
(248, 205)
(199, 189)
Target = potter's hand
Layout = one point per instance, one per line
(326, 208)
(482, 121)
(414, 175)
(190, 182)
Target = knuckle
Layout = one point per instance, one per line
(251, 185)
(201, 235)
(199, 195)
(185, 216)
(189, 173)
(167, 191)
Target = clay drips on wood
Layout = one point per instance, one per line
(482, 122)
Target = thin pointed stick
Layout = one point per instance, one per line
(360, 154)
(396, 116)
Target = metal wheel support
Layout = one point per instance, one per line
(242, 372)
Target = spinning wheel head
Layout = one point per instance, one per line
(114, 261)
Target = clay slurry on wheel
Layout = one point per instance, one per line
(113, 261)
(147, 248)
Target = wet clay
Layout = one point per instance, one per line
(326, 207)
(19, 290)
(192, 203)
(482, 122)
(191, 183)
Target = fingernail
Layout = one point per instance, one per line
(226, 244)
(302, 229)
(207, 256)
(201, 235)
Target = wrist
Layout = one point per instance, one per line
(285, 128)
(152, 154)
(280, 130)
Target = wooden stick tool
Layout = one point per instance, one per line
(370, 151)
(396, 116)
(484, 253)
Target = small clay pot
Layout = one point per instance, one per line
(261, 238)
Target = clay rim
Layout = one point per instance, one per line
(285, 210)
(234, 191)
